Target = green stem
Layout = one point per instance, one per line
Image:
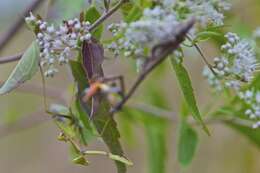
(107, 15)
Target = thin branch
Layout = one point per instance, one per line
(202, 55)
(8, 59)
(43, 89)
(23, 124)
(35, 120)
(6, 37)
(107, 15)
(51, 92)
(156, 111)
(164, 113)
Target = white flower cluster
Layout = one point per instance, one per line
(208, 11)
(237, 63)
(241, 57)
(159, 24)
(252, 99)
(57, 43)
(156, 25)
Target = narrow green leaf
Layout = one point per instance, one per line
(126, 126)
(88, 131)
(83, 117)
(145, 3)
(156, 139)
(187, 90)
(184, 111)
(24, 70)
(126, 8)
(107, 128)
(187, 144)
(78, 73)
(134, 14)
(91, 15)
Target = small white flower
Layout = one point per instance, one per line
(87, 37)
(51, 29)
(78, 26)
(31, 18)
(43, 26)
(70, 22)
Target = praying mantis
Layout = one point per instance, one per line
(93, 58)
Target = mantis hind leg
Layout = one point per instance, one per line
(119, 78)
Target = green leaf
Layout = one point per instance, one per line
(184, 111)
(126, 125)
(156, 139)
(187, 144)
(134, 14)
(126, 8)
(144, 3)
(83, 117)
(187, 90)
(91, 15)
(24, 70)
(107, 128)
(78, 74)
(87, 130)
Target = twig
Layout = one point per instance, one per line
(51, 92)
(156, 111)
(35, 120)
(173, 118)
(6, 37)
(7, 59)
(107, 15)
(23, 124)
(202, 55)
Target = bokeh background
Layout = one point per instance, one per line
(37, 150)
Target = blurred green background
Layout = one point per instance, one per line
(36, 150)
